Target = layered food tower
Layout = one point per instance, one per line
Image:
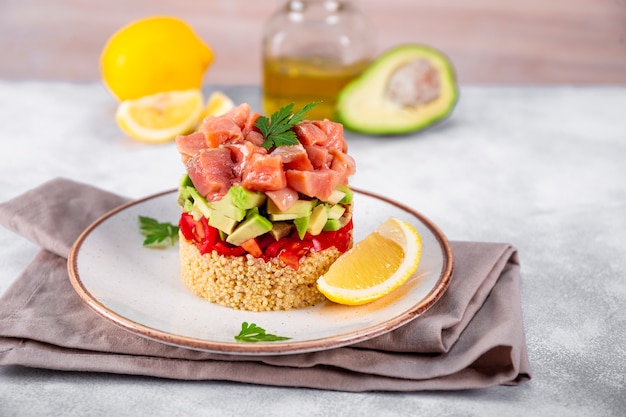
(261, 222)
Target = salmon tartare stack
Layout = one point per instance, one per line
(263, 216)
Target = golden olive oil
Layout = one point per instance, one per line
(305, 80)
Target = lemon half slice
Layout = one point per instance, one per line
(375, 266)
(218, 104)
(161, 117)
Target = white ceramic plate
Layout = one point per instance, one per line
(139, 288)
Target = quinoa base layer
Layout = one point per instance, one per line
(253, 284)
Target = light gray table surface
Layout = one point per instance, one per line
(543, 168)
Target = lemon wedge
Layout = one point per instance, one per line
(375, 266)
(218, 104)
(160, 117)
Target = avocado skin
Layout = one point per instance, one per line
(361, 107)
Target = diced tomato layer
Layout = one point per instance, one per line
(227, 249)
(289, 249)
(206, 238)
(252, 247)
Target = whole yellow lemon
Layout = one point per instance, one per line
(152, 55)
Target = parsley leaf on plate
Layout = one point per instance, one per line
(156, 232)
(252, 333)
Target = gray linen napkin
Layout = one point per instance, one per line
(472, 338)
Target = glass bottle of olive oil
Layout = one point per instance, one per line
(311, 50)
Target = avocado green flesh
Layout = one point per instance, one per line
(237, 225)
(221, 222)
(281, 229)
(369, 105)
(245, 199)
(333, 225)
(254, 226)
(302, 225)
(301, 208)
(318, 219)
(227, 207)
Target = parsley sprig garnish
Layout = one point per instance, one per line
(252, 333)
(277, 128)
(157, 233)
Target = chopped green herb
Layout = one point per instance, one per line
(252, 333)
(277, 128)
(155, 232)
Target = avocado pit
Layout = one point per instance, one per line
(413, 84)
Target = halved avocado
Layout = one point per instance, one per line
(407, 88)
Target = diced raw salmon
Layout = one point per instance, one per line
(264, 173)
(293, 157)
(239, 114)
(283, 198)
(211, 172)
(255, 137)
(188, 145)
(228, 150)
(334, 133)
(241, 154)
(343, 164)
(310, 134)
(219, 130)
(319, 184)
(319, 156)
(249, 125)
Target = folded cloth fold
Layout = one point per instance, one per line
(473, 337)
